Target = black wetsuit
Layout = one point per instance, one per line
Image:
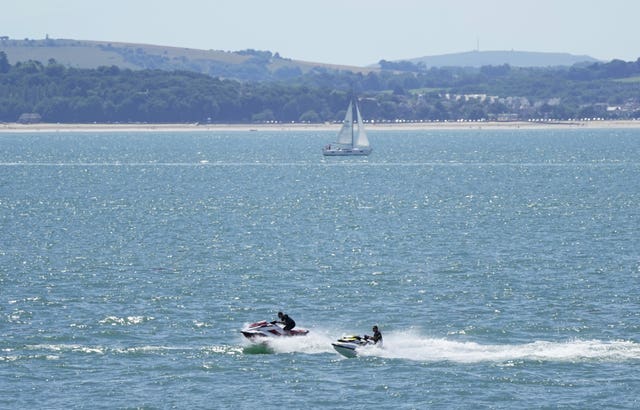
(288, 322)
(377, 337)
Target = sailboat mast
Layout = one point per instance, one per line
(353, 141)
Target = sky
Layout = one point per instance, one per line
(346, 32)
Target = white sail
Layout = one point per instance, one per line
(361, 140)
(352, 139)
(346, 132)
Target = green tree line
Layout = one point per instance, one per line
(111, 94)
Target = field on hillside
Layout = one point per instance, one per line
(93, 54)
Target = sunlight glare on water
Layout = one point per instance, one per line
(501, 267)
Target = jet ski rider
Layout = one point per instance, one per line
(377, 336)
(286, 321)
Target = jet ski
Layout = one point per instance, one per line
(264, 329)
(348, 345)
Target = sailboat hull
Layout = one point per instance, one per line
(342, 152)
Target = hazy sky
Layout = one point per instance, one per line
(350, 32)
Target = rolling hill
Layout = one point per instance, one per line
(513, 58)
(244, 65)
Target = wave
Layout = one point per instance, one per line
(397, 345)
(326, 164)
(415, 347)
(54, 351)
(314, 343)
(419, 348)
(125, 321)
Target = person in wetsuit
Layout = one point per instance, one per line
(286, 321)
(377, 336)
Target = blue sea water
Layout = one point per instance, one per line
(503, 268)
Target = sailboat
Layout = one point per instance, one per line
(352, 138)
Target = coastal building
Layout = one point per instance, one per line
(30, 118)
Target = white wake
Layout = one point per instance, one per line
(416, 347)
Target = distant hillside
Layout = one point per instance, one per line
(242, 65)
(495, 58)
(245, 65)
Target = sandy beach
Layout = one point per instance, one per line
(45, 127)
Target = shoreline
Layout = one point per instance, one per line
(515, 125)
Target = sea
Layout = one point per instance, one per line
(502, 267)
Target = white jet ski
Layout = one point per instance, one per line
(264, 329)
(348, 346)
